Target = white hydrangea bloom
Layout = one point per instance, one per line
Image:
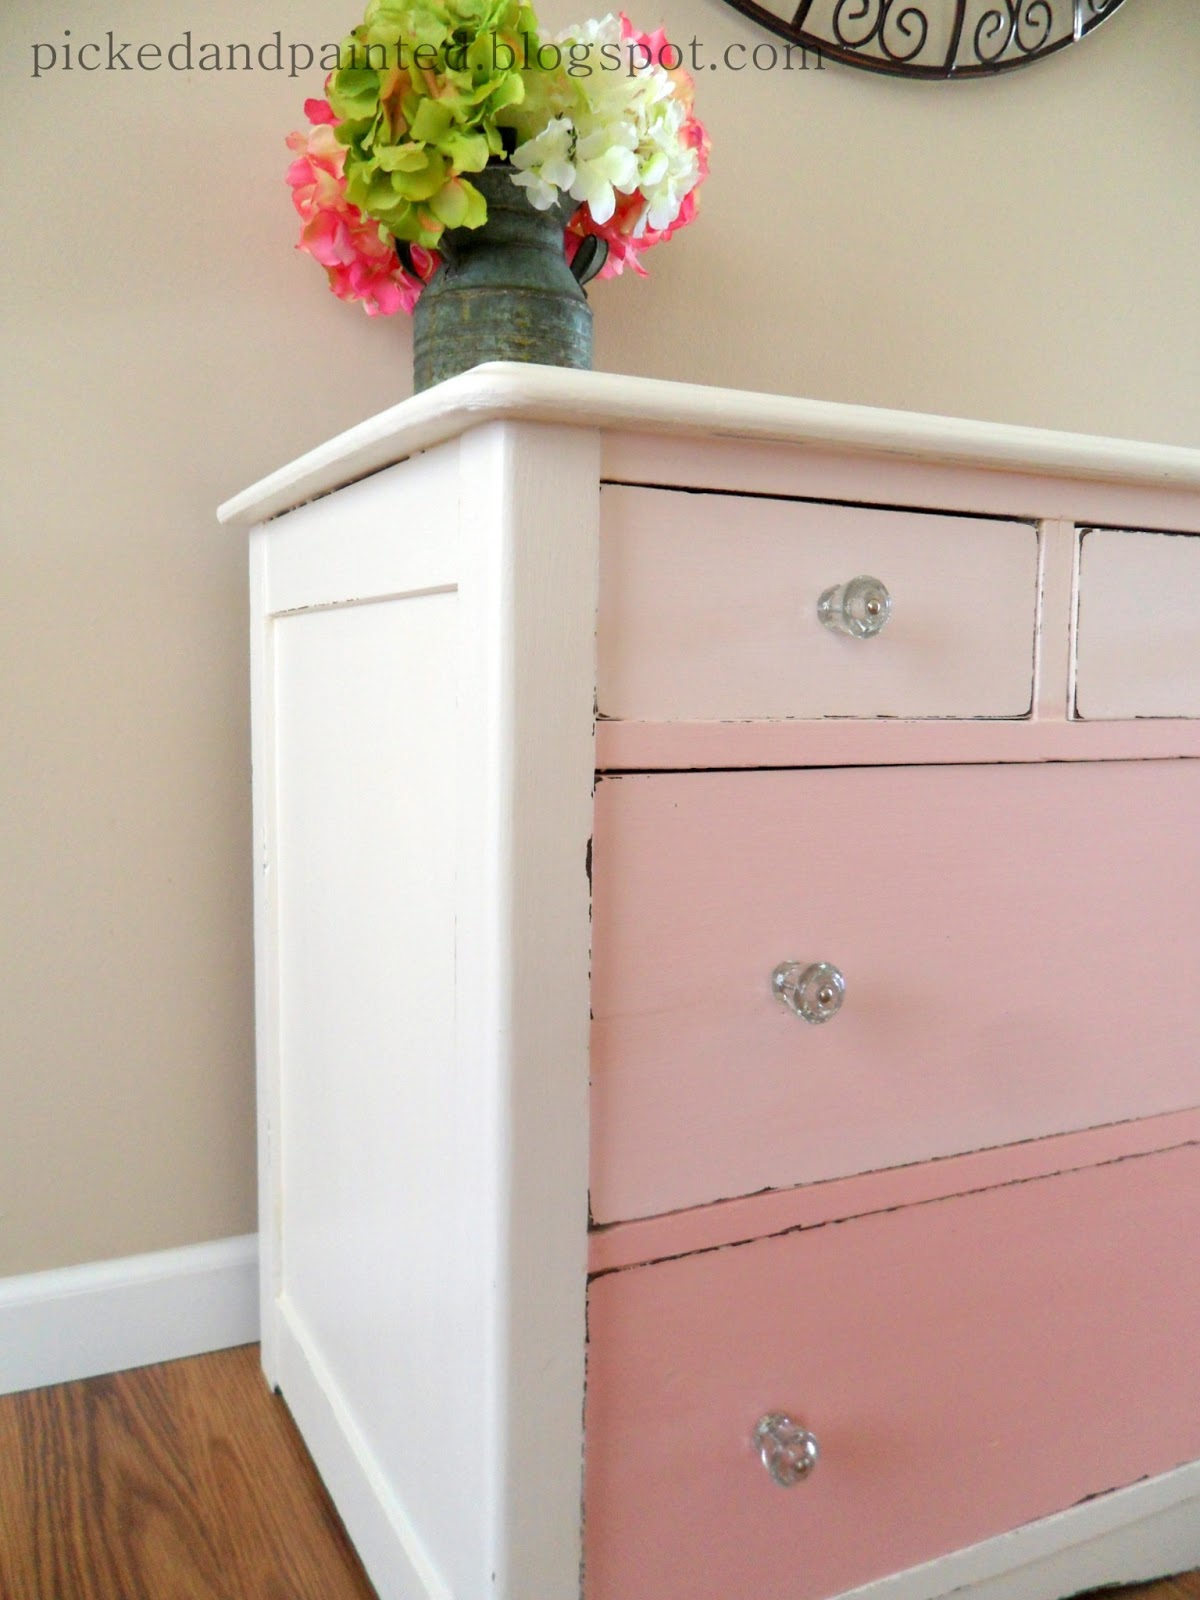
(624, 136)
(595, 31)
(605, 162)
(668, 169)
(545, 165)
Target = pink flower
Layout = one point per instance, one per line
(653, 43)
(662, 53)
(359, 256)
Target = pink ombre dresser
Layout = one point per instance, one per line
(728, 918)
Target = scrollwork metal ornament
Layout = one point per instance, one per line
(931, 38)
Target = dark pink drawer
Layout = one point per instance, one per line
(1021, 949)
(967, 1366)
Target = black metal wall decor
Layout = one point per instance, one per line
(931, 38)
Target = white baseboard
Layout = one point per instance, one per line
(1146, 1531)
(104, 1316)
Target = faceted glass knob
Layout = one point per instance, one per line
(814, 993)
(789, 1452)
(859, 608)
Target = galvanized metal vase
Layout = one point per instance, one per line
(505, 292)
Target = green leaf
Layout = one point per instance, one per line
(354, 92)
(416, 225)
(511, 92)
(476, 206)
(470, 152)
(451, 203)
(424, 184)
(352, 131)
(433, 121)
(401, 158)
(358, 188)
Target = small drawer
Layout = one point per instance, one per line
(1020, 946)
(708, 610)
(966, 1367)
(1138, 649)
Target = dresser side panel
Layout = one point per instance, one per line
(372, 1322)
(370, 1128)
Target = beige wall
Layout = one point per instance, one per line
(1025, 249)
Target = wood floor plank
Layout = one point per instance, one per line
(186, 1481)
(189, 1481)
(110, 1497)
(265, 1476)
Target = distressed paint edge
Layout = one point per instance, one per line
(721, 464)
(1149, 1530)
(740, 1220)
(1054, 656)
(536, 665)
(848, 742)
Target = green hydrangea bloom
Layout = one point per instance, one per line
(421, 96)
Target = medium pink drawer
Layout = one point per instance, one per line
(967, 1366)
(1021, 953)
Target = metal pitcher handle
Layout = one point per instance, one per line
(589, 258)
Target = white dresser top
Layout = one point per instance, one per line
(511, 391)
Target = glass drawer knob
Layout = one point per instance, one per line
(859, 608)
(789, 1452)
(814, 993)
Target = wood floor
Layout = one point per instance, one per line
(186, 1482)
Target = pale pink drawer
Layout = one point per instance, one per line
(1138, 647)
(708, 610)
(1020, 944)
(966, 1366)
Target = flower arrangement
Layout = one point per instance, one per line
(428, 92)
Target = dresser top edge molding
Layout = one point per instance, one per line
(508, 391)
